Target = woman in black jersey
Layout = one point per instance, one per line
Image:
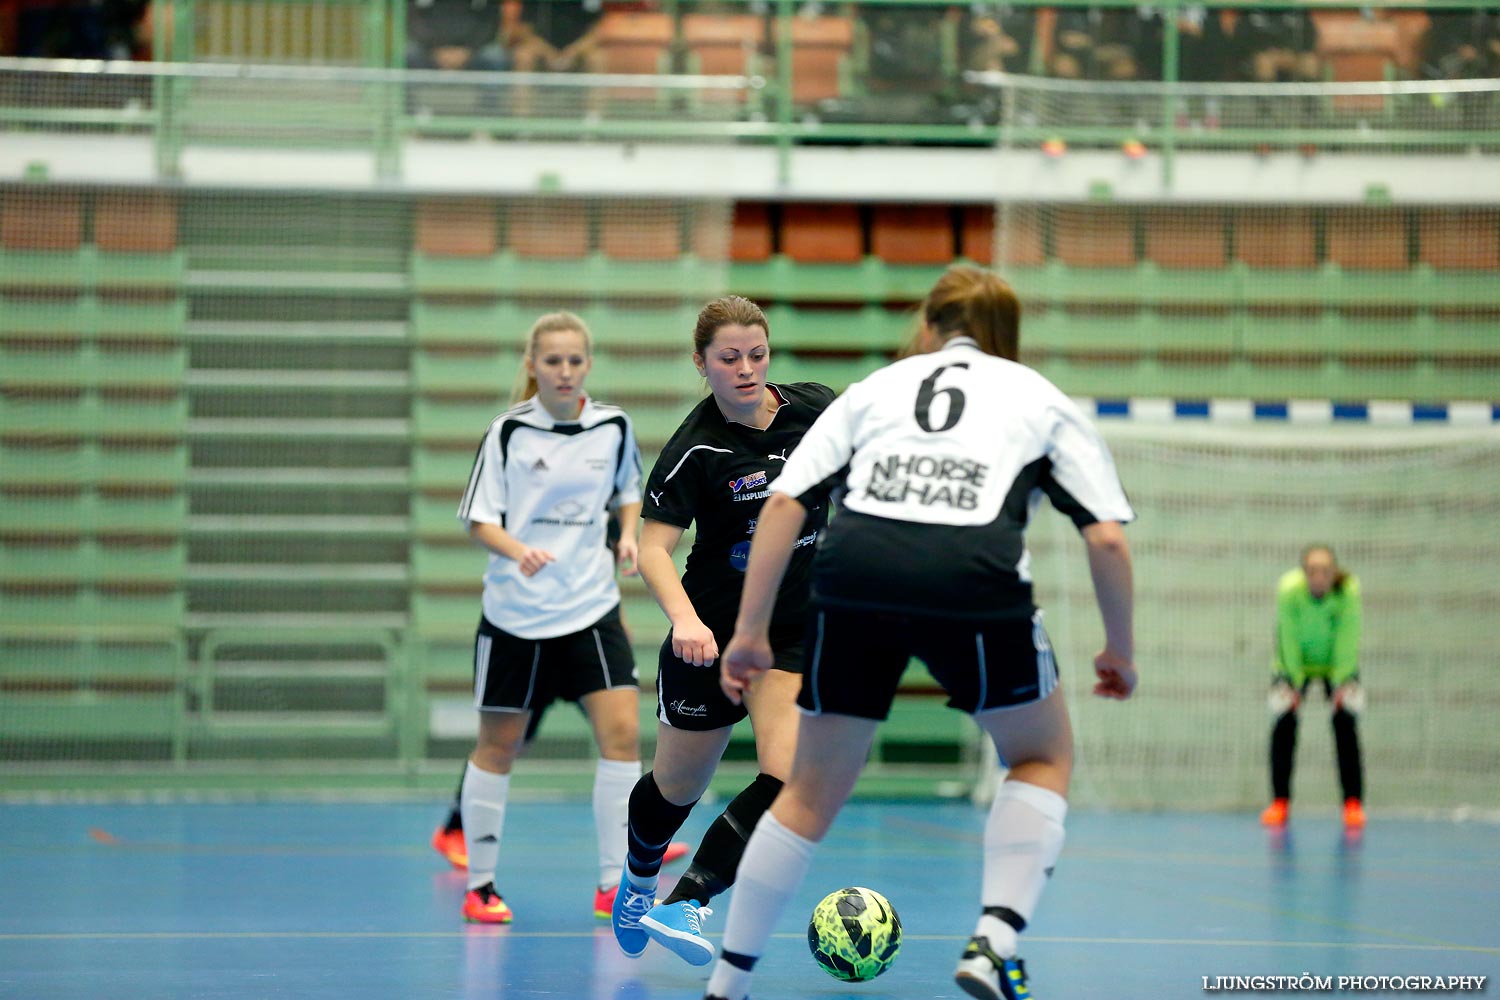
(943, 456)
(715, 471)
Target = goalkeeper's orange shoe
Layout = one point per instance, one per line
(484, 906)
(450, 844)
(1354, 815)
(1276, 813)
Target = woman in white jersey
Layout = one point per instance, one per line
(547, 476)
(944, 456)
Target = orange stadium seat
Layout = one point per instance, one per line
(130, 222)
(976, 235)
(549, 228)
(1095, 237)
(1411, 36)
(1185, 238)
(41, 220)
(1460, 241)
(634, 41)
(821, 233)
(749, 236)
(649, 232)
(1281, 239)
(1356, 48)
(722, 45)
(819, 47)
(912, 234)
(456, 227)
(1365, 239)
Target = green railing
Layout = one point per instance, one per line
(376, 111)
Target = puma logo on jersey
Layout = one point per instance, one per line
(778, 458)
(656, 497)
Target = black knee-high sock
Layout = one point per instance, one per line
(1283, 752)
(653, 820)
(717, 862)
(1346, 741)
(455, 815)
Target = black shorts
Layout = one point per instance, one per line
(689, 697)
(856, 658)
(512, 674)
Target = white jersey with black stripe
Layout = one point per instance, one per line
(945, 455)
(552, 484)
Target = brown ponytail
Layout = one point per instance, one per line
(973, 302)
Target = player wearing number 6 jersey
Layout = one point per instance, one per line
(943, 456)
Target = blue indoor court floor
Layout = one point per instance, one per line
(302, 899)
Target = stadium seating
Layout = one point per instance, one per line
(822, 47)
(319, 403)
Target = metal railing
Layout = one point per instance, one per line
(378, 112)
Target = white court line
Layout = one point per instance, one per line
(508, 933)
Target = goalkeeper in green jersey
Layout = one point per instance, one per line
(1317, 639)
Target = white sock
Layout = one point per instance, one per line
(482, 803)
(613, 781)
(775, 862)
(1022, 840)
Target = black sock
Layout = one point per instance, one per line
(1006, 915)
(1283, 753)
(1346, 743)
(455, 816)
(653, 820)
(717, 862)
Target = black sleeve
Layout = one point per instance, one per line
(1065, 502)
(675, 487)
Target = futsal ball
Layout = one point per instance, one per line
(854, 934)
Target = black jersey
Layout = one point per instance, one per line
(718, 473)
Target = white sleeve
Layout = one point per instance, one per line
(628, 475)
(484, 499)
(1082, 464)
(824, 450)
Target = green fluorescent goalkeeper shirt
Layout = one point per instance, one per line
(1316, 638)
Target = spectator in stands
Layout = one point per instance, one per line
(63, 29)
(1073, 39)
(998, 38)
(1202, 44)
(1317, 639)
(558, 35)
(906, 63)
(455, 34)
(1096, 43)
(1130, 44)
(1276, 46)
(1462, 45)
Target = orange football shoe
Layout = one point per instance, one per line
(484, 906)
(1354, 815)
(1276, 813)
(450, 844)
(604, 899)
(604, 902)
